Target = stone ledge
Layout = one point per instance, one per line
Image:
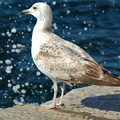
(88, 103)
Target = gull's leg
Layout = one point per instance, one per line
(54, 98)
(62, 93)
(55, 94)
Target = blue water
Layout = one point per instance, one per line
(94, 25)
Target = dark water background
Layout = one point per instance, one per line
(94, 25)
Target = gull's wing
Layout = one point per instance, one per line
(79, 52)
(67, 62)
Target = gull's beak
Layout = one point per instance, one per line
(24, 12)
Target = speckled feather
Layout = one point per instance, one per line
(64, 61)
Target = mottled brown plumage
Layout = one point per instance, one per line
(65, 64)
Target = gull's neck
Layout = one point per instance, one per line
(43, 26)
(41, 34)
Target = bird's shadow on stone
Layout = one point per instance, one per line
(110, 102)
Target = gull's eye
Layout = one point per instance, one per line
(34, 8)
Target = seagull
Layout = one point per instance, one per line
(61, 60)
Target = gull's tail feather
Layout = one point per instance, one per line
(107, 80)
(96, 75)
(111, 80)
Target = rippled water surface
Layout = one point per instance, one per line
(94, 25)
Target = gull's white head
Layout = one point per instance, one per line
(42, 12)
